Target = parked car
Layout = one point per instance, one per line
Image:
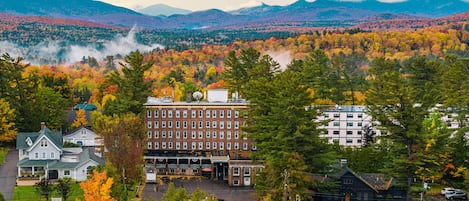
(446, 190)
(457, 194)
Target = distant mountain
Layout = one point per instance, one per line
(163, 10)
(299, 12)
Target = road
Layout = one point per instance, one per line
(218, 188)
(8, 174)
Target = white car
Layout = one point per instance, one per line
(446, 190)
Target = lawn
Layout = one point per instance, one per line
(28, 193)
(3, 153)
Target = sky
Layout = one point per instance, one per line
(197, 5)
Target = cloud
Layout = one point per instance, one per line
(283, 58)
(56, 52)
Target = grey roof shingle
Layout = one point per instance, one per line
(55, 137)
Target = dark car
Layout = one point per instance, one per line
(456, 195)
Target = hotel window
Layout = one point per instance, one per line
(184, 114)
(349, 132)
(349, 141)
(156, 124)
(336, 115)
(178, 124)
(236, 145)
(326, 115)
(359, 123)
(201, 145)
(235, 171)
(359, 141)
(207, 134)
(170, 145)
(184, 145)
(235, 182)
(163, 134)
(170, 124)
(178, 145)
(214, 124)
(222, 134)
(193, 145)
(184, 124)
(193, 124)
(207, 124)
(221, 145)
(148, 113)
(336, 132)
(214, 145)
(228, 145)
(200, 113)
(170, 134)
(359, 132)
(178, 113)
(335, 141)
(157, 134)
(349, 115)
(170, 114)
(201, 124)
(184, 134)
(149, 134)
(149, 145)
(207, 145)
(163, 145)
(247, 171)
(193, 113)
(222, 113)
(222, 124)
(149, 124)
(245, 146)
(236, 125)
(228, 124)
(163, 124)
(228, 113)
(178, 134)
(349, 123)
(214, 134)
(360, 115)
(193, 134)
(335, 123)
(163, 114)
(236, 115)
(156, 145)
(214, 114)
(236, 135)
(201, 135)
(228, 135)
(155, 113)
(207, 113)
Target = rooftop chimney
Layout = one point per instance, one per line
(43, 125)
(343, 163)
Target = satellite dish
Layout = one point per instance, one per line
(197, 95)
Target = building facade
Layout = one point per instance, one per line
(347, 125)
(195, 137)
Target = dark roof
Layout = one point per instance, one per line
(77, 129)
(85, 106)
(54, 137)
(375, 181)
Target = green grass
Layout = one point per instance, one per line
(28, 193)
(3, 153)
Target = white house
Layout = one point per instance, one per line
(83, 136)
(41, 155)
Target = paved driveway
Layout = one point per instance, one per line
(218, 188)
(8, 174)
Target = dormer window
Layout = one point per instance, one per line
(29, 142)
(44, 143)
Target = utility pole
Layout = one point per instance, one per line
(285, 176)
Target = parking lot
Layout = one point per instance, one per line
(217, 188)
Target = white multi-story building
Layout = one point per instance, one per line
(347, 124)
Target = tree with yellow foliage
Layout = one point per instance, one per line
(80, 119)
(97, 187)
(7, 125)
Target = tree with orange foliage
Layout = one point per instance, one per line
(98, 187)
(7, 125)
(80, 119)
